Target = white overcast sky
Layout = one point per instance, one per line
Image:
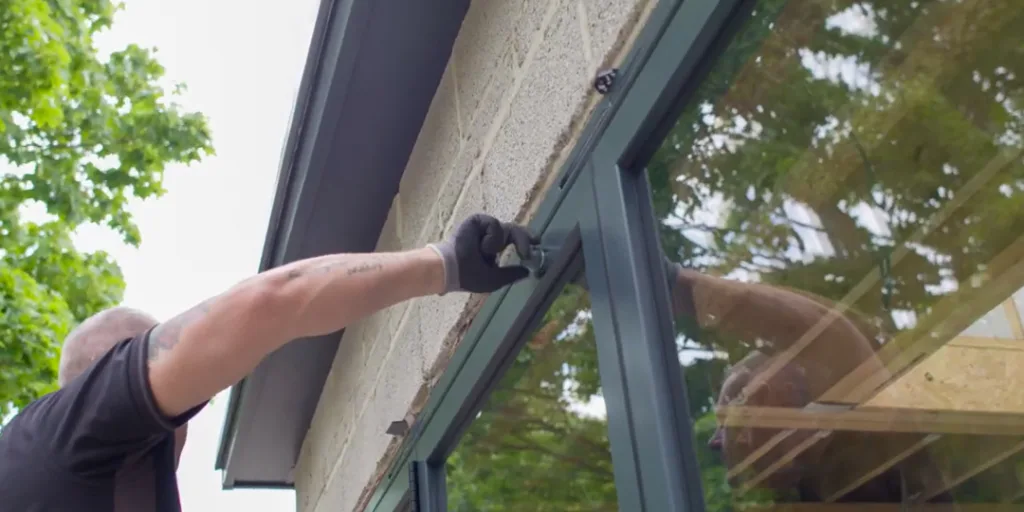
(242, 62)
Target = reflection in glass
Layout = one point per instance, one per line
(406, 504)
(540, 443)
(841, 206)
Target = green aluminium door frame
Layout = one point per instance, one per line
(649, 429)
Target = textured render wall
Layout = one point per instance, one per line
(513, 99)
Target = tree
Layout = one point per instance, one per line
(531, 448)
(80, 135)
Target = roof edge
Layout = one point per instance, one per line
(284, 190)
(353, 105)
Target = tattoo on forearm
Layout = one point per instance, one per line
(166, 335)
(326, 268)
(368, 266)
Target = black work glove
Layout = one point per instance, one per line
(471, 255)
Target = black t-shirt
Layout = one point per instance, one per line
(98, 444)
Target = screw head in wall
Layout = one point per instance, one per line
(604, 80)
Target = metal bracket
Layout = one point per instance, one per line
(604, 80)
(401, 427)
(538, 261)
(398, 428)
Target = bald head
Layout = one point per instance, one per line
(96, 335)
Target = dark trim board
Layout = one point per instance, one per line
(354, 125)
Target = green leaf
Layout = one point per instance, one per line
(81, 135)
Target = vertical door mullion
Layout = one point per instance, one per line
(428, 483)
(662, 451)
(609, 352)
(634, 299)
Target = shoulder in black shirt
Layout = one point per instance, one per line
(98, 444)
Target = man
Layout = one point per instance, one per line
(110, 438)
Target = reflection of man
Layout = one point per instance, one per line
(774, 318)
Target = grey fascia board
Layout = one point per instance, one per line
(310, 85)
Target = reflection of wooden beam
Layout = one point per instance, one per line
(953, 314)
(761, 451)
(768, 445)
(986, 343)
(883, 420)
(966, 464)
(1013, 317)
(855, 466)
(872, 374)
(785, 460)
(967, 374)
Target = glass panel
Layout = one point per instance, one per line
(406, 504)
(842, 207)
(540, 443)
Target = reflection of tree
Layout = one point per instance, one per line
(827, 138)
(531, 448)
(928, 117)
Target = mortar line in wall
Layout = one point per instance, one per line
(318, 414)
(336, 466)
(492, 82)
(506, 107)
(455, 94)
(588, 50)
(421, 237)
(500, 118)
(348, 435)
(344, 445)
(361, 410)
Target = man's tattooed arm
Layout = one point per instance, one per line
(208, 348)
(165, 336)
(327, 267)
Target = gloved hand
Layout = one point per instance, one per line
(470, 256)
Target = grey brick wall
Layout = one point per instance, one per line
(509, 108)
